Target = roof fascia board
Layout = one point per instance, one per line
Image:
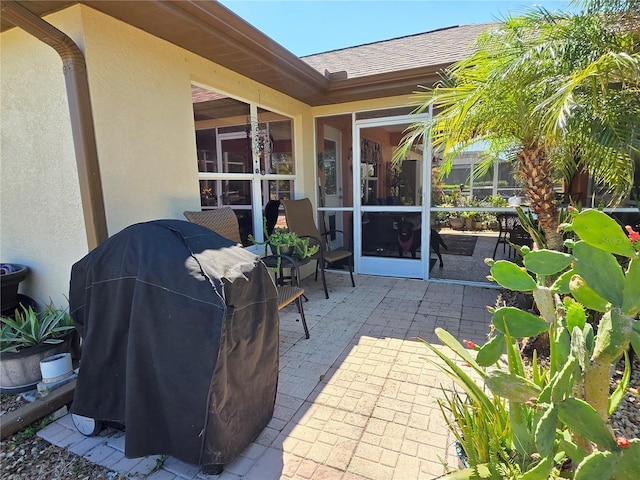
(405, 82)
(224, 24)
(422, 75)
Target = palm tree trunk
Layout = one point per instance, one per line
(535, 168)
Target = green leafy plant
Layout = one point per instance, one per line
(468, 201)
(281, 238)
(27, 433)
(29, 328)
(558, 412)
(533, 228)
(496, 201)
(490, 218)
(480, 424)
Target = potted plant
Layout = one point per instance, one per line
(26, 339)
(469, 219)
(482, 430)
(456, 222)
(283, 242)
(494, 201)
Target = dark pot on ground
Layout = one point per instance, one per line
(11, 274)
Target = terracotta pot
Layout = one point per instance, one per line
(456, 223)
(468, 223)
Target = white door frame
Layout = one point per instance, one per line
(389, 266)
(334, 201)
(223, 166)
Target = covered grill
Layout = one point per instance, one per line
(180, 341)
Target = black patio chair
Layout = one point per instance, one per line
(506, 222)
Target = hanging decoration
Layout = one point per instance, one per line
(261, 145)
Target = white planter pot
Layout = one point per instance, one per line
(56, 367)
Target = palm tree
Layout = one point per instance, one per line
(559, 92)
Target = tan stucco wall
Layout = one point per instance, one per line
(141, 97)
(41, 218)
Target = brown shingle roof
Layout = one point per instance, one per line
(446, 45)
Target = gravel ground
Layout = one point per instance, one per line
(24, 456)
(626, 419)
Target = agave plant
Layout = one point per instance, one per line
(30, 328)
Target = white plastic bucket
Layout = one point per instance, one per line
(56, 367)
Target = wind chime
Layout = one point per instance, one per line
(261, 145)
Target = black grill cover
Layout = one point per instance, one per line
(180, 341)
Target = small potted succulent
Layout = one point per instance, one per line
(283, 242)
(25, 339)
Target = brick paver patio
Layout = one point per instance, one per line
(356, 401)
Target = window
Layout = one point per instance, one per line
(242, 163)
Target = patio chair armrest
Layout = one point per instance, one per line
(286, 261)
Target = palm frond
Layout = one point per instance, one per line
(568, 82)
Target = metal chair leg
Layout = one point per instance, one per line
(302, 317)
(324, 282)
(353, 284)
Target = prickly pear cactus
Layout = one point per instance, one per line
(568, 402)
